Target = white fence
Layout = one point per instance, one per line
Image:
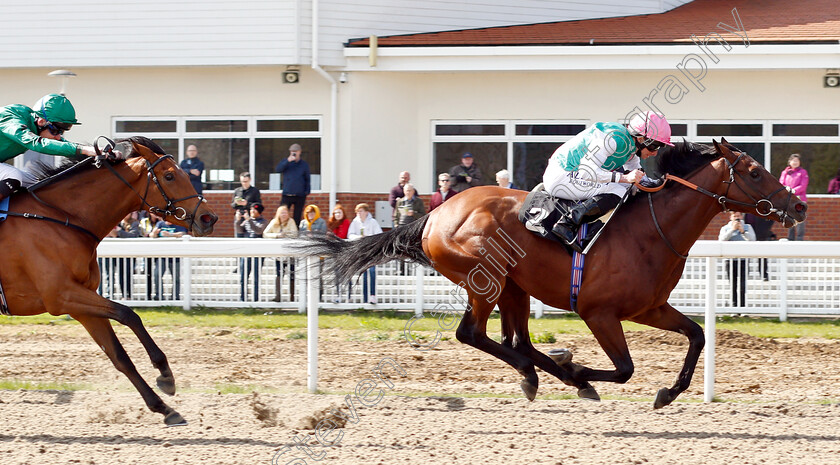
(803, 278)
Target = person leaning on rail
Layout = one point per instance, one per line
(40, 129)
(585, 167)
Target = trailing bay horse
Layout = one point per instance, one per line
(49, 264)
(476, 240)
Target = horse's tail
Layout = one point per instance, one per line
(349, 258)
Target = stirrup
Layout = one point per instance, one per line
(567, 235)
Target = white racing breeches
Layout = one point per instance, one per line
(8, 171)
(571, 188)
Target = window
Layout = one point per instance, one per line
(820, 160)
(231, 145)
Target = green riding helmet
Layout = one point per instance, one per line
(56, 108)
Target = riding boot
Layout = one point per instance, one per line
(567, 226)
(278, 281)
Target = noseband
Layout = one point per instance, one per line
(722, 200)
(171, 208)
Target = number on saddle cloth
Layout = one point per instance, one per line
(541, 210)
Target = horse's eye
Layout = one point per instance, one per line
(755, 174)
(169, 176)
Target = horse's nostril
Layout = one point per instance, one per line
(208, 219)
(801, 207)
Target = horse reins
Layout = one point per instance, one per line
(723, 200)
(171, 208)
(102, 155)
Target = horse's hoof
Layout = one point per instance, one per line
(166, 384)
(663, 398)
(560, 356)
(589, 394)
(529, 389)
(174, 419)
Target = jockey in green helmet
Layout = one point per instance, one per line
(39, 129)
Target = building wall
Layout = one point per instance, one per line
(79, 33)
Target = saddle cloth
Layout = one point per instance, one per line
(541, 210)
(4, 207)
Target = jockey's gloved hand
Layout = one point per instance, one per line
(651, 182)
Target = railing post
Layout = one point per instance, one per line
(538, 312)
(419, 273)
(312, 326)
(711, 314)
(186, 279)
(783, 289)
(302, 271)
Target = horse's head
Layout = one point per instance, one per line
(166, 190)
(752, 189)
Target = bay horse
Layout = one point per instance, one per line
(50, 265)
(476, 240)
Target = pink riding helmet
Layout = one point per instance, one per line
(651, 125)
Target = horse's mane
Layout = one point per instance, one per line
(47, 174)
(684, 158)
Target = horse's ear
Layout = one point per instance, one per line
(127, 149)
(723, 141)
(688, 145)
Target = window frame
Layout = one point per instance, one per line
(250, 133)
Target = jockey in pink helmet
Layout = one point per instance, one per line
(598, 165)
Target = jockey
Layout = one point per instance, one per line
(38, 129)
(589, 167)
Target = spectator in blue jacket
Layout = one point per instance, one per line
(296, 180)
(193, 167)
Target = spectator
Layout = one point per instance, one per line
(409, 208)
(296, 181)
(282, 226)
(164, 228)
(128, 228)
(465, 175)
(147, 225)
(736, 269)
(243, 197)
(193, 167)
(444, 193)
(397, 191)
(338, 225)
(365, 225)
(254, 224)
(763, 228)
(503, 179)
(795, 178)
(312, 223)
(834, 184)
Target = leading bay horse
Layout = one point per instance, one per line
(50, 266)
(475, 239)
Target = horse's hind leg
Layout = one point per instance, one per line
(510, 301)
(101, 331)
(473, 331)
(127, 317)
(514, 309)
(668, 318)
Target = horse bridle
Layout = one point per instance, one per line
(171, 209)
(722, 200)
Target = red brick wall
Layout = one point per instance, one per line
(822, 224)
(220, 203)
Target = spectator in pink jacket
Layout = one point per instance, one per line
(834, 184)
(795, 178)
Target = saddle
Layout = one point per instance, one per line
(541, 210)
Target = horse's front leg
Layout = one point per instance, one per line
(102, 333)
(668, 318)
(127, 317)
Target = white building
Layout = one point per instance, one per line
(216, 74)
